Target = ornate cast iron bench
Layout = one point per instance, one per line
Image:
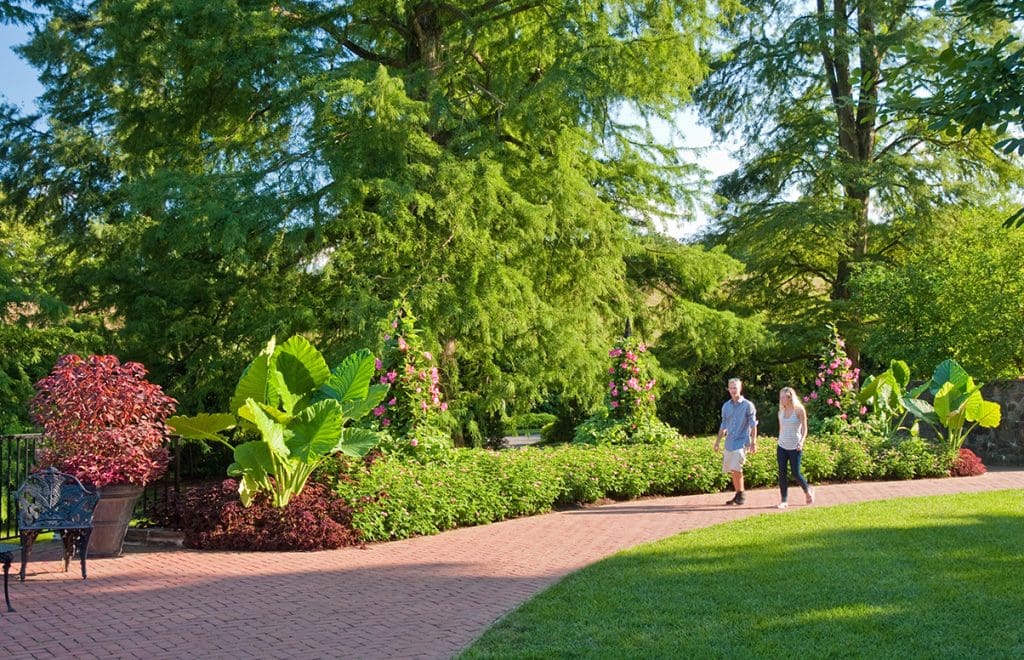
(57, 502)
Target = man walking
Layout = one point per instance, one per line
(739, 427)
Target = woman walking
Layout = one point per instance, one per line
(792, 434)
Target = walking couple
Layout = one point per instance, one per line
(739, 428)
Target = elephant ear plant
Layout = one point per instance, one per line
(957, 406)
(884, 394)
(300, 409)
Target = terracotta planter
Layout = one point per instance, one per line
(110, 521)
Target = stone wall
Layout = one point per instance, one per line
(1003, 445)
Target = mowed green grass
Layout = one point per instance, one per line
(933, 577)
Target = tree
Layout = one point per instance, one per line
(957, 296)
(984, 77)
(837, 169)
(227, 170)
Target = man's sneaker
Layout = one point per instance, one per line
(810, 495)
(781, 505)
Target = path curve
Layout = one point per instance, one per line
(426, 597)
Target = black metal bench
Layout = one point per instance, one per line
(50, 500)
(6, 557)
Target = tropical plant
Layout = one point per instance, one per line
(883, 393)
(102, 420)
(300, 408)
(957, 406)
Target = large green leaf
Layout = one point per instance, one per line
(988, 415)
(948, 371)
(253, 463)
(357, 408)
(253, 383)
(350, 380)
(357, 442)
(301, 365)
(316, 430)
(920, 409)
(868, 388)
(271, 431)
(978, 408)
(900, 373)
(944, 403)
(204, 426)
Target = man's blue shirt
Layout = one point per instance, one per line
(738, 419)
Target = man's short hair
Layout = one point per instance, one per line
(736, 380)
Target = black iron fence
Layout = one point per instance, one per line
(190, 463)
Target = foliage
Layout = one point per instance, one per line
(395, 498)
(983, 77)
(631, 397)
(956, 295)
(884, 393)
(296, 169)
(835, 393)
(415, 409)
(213, 518)
(528, 422)
(603, 429)
(956, 402)
(835, 169)
(967, 464)
(102, 420)
(300, 408)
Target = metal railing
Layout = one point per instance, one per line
(18, 457)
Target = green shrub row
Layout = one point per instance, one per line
(394, 499)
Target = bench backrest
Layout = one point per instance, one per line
(50, 499)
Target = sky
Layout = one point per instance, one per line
(20, 86)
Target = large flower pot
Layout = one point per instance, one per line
(110, 521)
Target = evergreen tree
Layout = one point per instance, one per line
(223, 171)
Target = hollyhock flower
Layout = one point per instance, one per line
(444, 405)
(414, 442)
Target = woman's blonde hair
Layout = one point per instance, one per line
(797, 403)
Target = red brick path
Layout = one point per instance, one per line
(420, 598)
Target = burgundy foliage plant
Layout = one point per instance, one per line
(103, 421)
(967, 464)
(213, 518)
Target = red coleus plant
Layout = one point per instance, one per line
(102, 420)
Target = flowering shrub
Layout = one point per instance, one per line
(967, 464)
(415, 407)
(103, 421)
(631, 395)
(835, 386)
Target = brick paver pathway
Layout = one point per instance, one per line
(420, 598)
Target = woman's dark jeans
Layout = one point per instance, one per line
(792, 458)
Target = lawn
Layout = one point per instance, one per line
(922, 577)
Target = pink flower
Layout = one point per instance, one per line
(392, 375)
(843, 416)
(394, 324)
(814, 395)
(393, 401)
(428, 355)
(423, 405)
(444, 405)
(611, 370)
(378, 411)
(817, 382)
(377, 364)
(402, 346)
(414, 442)
(642, 347)
(615, 404)
(829, 402)
(863, 410)
(385, 422)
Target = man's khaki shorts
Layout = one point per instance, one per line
(732, 461)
